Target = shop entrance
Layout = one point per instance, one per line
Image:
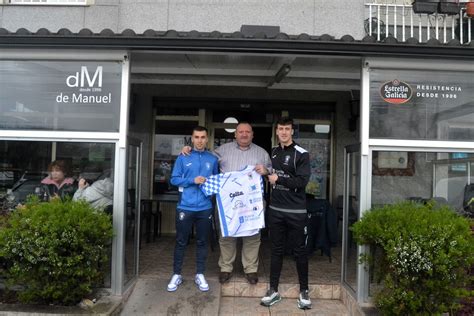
(201, 88)
(173, 127)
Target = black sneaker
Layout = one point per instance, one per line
(304, 302)
(270, 298)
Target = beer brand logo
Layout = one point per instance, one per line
(396, 92)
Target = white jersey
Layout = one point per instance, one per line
(239, 201)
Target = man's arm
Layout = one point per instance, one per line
(177, 176)
(302, 172)
(266, 167)
(215, 170)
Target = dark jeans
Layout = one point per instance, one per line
(184, 224)
(289, 227)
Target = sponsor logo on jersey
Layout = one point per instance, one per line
(238, 204)
(255, 200)
(238, 193)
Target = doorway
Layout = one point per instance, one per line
(351, 198)
(132, 213)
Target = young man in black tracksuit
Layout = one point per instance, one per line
(287, 214)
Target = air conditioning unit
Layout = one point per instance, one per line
(50, 2)
(425, 6)
(450, 7)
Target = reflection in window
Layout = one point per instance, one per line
(436, 105)
(439, 176)
(24, 165)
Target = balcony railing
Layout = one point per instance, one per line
(399, 20)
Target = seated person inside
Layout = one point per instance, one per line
(59, 182)
(99, 194)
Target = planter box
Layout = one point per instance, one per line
(425, 6)
(451, 8)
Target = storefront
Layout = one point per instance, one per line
(414, 129)
(417, 140)
(72, 107)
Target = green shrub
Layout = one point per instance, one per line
(55, 250)
(425, 252)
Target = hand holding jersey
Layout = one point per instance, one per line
(239, 201)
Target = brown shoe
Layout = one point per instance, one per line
(224, 277)
(252, 277)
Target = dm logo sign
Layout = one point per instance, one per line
(396, 92)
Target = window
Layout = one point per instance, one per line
(60, 95)
(171, 135)
(419, 105)
(24, 164)
(439, 176)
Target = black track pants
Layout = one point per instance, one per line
(290, 227)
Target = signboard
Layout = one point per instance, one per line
(60, 95)
(421, 104)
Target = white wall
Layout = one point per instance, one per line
(315, 17)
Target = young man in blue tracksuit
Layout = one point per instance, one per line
(189, 172)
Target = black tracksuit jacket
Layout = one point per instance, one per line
(291, 164)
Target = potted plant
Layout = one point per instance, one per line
(421, 254)
(55, 250)
(425, 6)
(450, 7)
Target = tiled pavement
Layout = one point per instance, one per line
(156, 259)
(237, 297)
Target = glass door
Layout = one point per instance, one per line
(132, 217)
(352, 171)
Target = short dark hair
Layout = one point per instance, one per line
(285, 120)
(200, 128)
(60, 165)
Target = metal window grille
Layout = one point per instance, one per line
(396, 18)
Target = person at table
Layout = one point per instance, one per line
(193, 207)
(99, 194)
(59, 183)
(234, 157)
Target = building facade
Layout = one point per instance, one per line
(382, 98)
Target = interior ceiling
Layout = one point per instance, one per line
(244, 70)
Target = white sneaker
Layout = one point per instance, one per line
(175, 281)
(304, 302)
(201, 282)
(270, 298)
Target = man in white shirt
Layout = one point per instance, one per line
(236, 156)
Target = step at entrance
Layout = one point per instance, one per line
(241, 288)
(149, 297)
(250, 306)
